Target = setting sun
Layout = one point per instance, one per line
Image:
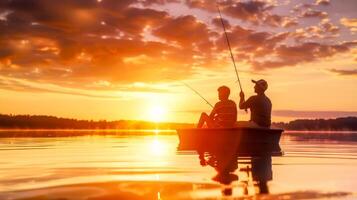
(157, 113)
(178, 99)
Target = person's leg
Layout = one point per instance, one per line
(205, 119)
(202, 120)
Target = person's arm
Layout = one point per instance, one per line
(213, 112)
(242, 100)
(243, 104)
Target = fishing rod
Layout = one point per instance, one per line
(197, 93)
(229, 46)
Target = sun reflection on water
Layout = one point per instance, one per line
(158, 148)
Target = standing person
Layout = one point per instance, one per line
(224, 113)
(260, 105)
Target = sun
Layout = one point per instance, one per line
(157, 113)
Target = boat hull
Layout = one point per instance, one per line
(244, 141)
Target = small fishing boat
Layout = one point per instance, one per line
(245, 140)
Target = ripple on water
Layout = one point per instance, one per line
(150, 167)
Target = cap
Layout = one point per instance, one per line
(261, 83)
(224, 89)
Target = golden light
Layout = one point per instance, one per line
(157, 113)
(83, 17)
(158, 147)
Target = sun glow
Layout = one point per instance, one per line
(157, 113)
(158, 147)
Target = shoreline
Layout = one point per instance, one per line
(53, 133)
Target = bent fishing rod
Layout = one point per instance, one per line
(229, 46)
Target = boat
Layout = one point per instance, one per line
(246, 141)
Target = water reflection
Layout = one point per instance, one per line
(158, 147)
(225, 166)
(150, 167)
(261, 172)
(226, 162)
(245, 158)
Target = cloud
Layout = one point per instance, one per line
(251, 45)
(255, 12)
(344, 72)
(322, 2)
(208, 5)
(106, 86)
(306, 52)
(280, 21)
(100, 44)
(24, 86)
(350, 23)
(297, 8)
(324, 30)
(248, 40)
(328, 27)
(248, 11)
(314, 13)
(80, 43)
(217, 22)
(184, 29)
(264, 50)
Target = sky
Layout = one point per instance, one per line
(108, 59)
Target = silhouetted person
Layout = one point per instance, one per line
(224, 113)
(259, 105)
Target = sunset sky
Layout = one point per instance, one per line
(127, 59)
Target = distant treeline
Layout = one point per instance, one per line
(338, 124)
(50, 122)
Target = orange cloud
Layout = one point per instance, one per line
(185, 30)
(344, 72)
(349, 23)
(314, 13)
(322, 2)
(306, 52)
(78, 43)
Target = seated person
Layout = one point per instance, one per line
(259, 105)
(224, 113)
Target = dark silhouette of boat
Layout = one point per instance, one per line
(246, 141)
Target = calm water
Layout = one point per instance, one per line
(149, 166)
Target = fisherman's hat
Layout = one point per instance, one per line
(261, 83)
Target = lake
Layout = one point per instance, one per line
(147, 165)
